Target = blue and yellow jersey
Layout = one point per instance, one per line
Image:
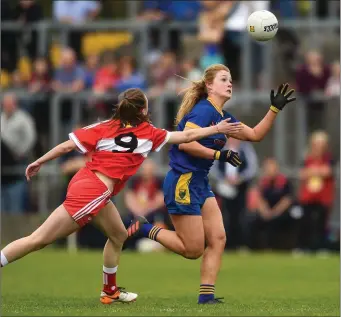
(203, 114)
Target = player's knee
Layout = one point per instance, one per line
(119, 237)
(194, 253)
(220, 239)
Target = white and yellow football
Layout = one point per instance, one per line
(262, 25)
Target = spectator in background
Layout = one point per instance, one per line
(40, 80)
(190, 71)
(145, 198)
(129, 75)
(275, 213)
(90, 70)
(18, 137)
(105, 81)
(211, 30)
(233, 187)
(160, 10)
(17, 80)
(235, 29)
(311, 81)
(40, 84)
(26, 12)
(68, 78)
(76, 12)
(107, 76)
(316, 193)
(163, 74)
(333, 84)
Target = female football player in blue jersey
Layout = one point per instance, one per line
(194, 211)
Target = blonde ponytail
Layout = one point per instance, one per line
(191, 96)
(197, 91)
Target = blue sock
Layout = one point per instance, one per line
(150, 231)
(206, 293)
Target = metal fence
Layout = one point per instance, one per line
(242, 101)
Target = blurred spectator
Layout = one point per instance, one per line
(311, 81)
(8, 40)
(333, 84)
(68, 78)
(40, 85)
(190, 71)
(76, 12)
(90, 69)
(144, 197)
(233, 187)
(316, 192)
(17, 80)
(105, 81)
(274, 224)
(107, 76)
(26, 12)
(129, 75)
(160, 10)
(18, 137)
(163, 74)
(41, 77)
(235, 29)
(211, 30)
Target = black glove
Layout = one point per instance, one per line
(279, 101)
(228, 156)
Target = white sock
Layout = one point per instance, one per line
(110, 270)
(3, 259)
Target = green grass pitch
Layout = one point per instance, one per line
(53, 282)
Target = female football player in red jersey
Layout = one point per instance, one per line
(118, 147)
(189, 199)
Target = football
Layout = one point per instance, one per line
(262, 25)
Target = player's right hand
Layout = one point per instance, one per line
(32, 170)
(226, 127)
(228, 156)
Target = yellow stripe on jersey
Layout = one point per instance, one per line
(192, 125)
(182, 194)
(215, 106)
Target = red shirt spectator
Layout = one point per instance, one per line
(317, 181)
(107, 76)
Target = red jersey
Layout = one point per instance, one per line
(118, 152)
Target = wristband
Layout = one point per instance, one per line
(217, 155)
(274, 109)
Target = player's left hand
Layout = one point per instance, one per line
(281, 99)
(228, 156)
(32, 170)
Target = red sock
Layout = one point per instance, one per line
(109, 280)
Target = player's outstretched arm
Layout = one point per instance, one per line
(191, 135)
(278, 102)
(57, 151)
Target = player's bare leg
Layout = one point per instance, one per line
(109, 221)
(215, 240)
(58, 225)
(187, 240)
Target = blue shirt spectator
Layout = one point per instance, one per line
(69, 77)
(176, 10)
(75, 11)
(129, 75)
